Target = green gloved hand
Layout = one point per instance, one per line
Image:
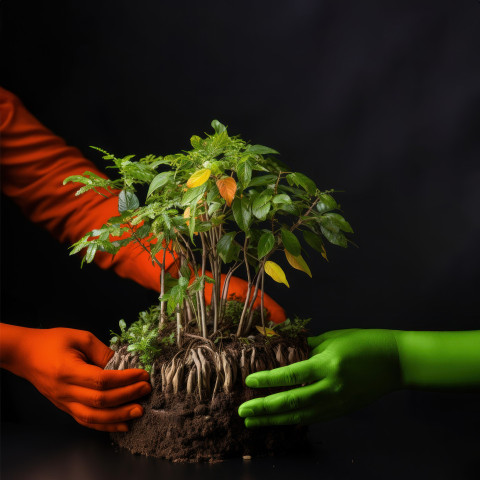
(347, 369)
(350, 368)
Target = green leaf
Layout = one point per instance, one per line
(259, 150)
(244, 172)
(159, 181)
(227, 248)
(214, 207)
(127, 201)
(193, 194)
(289, 208)
(281, 198)
(77, 179)
(263, 180)
(218, 127)
(196, 142)
(313, 240)
(143, 231)
(122, 325)
(183, 281)
(326, 203)
(213, 194)
(337, 238)
(299, 179)
(265, 244)
(185, 271)
(193, 218)
(337, 220)
(242, 213)
(196, 285)
(261, 205)
(91, 250)
(291, 242)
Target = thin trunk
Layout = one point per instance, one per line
(162, 289)
(262, 309)
(189, 311)
(179, 325)
(214, 299)
(226, 284)
(202, 291)
(247, 299)
(218, 281)
(255, 294)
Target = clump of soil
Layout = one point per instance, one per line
(191, 414)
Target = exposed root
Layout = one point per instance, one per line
(201, 366)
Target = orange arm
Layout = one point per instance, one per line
(34, 164)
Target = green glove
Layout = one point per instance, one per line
(440, 360)
(351, 368)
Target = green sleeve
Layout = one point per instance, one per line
(440, 360)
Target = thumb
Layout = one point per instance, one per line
(95, 350)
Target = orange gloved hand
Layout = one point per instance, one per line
(239, 288)
(66, 366)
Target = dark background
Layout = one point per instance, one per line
(379, 99)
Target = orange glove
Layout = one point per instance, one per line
(34, 164)
(66, 366)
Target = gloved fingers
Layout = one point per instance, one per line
(96, 416)
(105, 427)
(90, 376)
(303, 416)
(106, 398)
(292, 400)
(295, 374)
(314, 342)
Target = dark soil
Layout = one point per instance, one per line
(182, 428)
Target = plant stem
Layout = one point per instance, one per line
(162, 289)
(144, 247)
(240, 323)
(299, 222)
(179, 325)
(224, 295)
(251, 310)
(202, 291)
(188, 309)
(262, 309)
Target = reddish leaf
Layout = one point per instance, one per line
(227, 187)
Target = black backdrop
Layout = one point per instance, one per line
(380, 99)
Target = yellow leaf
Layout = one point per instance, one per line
(199, 178)
(266, 331)
(275, 271)
(227, 187)
(324, 253)
(298, 263)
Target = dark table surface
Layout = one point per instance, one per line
(404, 435)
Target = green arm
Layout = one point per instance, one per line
(351, 368)
(440, 360)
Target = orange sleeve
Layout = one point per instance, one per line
(34, 164)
